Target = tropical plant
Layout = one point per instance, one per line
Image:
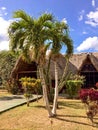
(73, 85)
(30, 85)
(77, 77)
(30, 37)
(60, 39)
(33, 37)
(90, 98)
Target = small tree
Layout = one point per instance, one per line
(90, 98)
(29, 85)
(7, 62)
(74, 84)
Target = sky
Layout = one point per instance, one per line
(80, 15)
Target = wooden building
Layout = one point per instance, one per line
(84, 64)
(22, 68)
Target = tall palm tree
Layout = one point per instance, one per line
(60, 39)
(31, 38)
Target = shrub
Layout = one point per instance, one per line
(30, 85)
(72, 87)
(90, 98)
(88, 95)
(83, 94)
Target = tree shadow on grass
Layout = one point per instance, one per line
(38, 106)
(72, 116)
(71, 104)
(96, 118)
(61, 117)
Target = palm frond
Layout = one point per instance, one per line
(45, 17)
(69, 43)
(22, 15)
(15, 39)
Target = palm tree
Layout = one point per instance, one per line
(30, 37)
(60, 39)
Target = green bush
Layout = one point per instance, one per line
(72, 87)
(74, 84)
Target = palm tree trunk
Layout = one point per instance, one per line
(64, 76)
(49, 82)
(56, 90)
(45, 91)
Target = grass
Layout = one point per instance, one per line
(71, 116)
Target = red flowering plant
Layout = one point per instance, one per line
(90, 98)
(93, 95)
(83, 94)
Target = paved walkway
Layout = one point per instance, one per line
(9, 102)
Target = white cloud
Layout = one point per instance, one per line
(4, 45)
(4, 24)
(64, 20)
(92, 18)
(81, 15)
(84, 32)
(3, 8)
(93, 3)
(89, 43)
(3, 11)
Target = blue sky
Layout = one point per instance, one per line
(80, 15)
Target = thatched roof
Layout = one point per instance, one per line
(77, 59)
(76, 62)
(94, 59)
(61, 63)
(22, 66)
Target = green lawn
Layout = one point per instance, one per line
(71, 116)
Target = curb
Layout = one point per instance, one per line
(19, 104)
